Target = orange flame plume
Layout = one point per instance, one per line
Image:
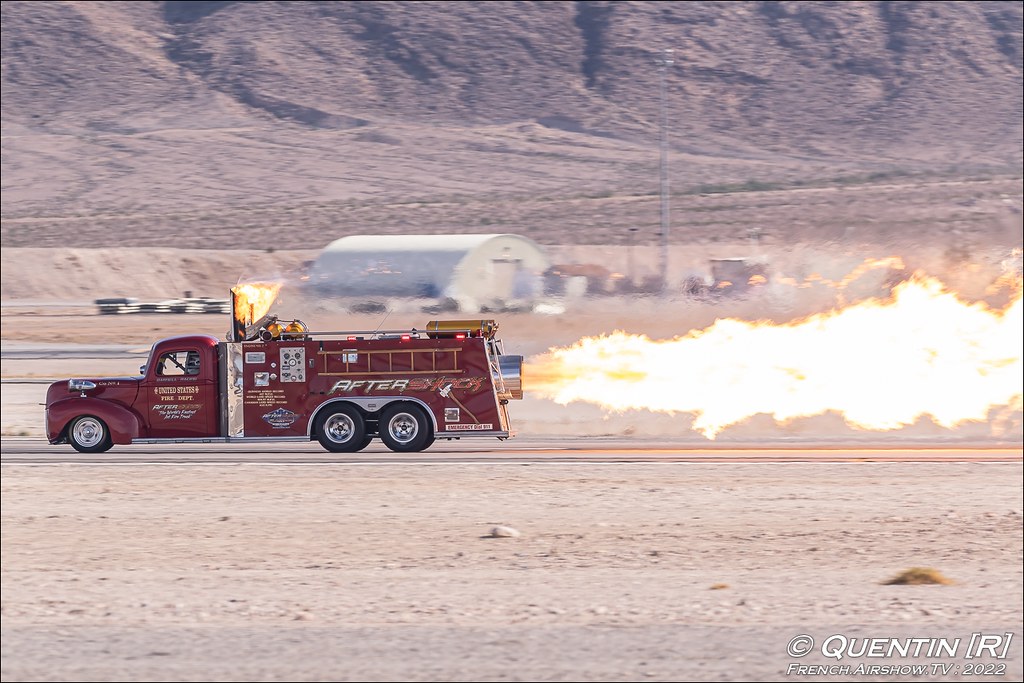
(881, 364)
(254, 299)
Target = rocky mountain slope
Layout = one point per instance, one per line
(145, 109)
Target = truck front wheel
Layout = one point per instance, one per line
(341, 429)
(404, 428)
(89, 434)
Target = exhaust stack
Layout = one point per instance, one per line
(239, 316)
(250, 308)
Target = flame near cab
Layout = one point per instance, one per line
(881, 364)
(253, 300)
(250, 305)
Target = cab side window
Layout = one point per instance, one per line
(177, 363)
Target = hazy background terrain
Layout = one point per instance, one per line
(252, 125)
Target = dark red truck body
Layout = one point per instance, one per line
(408, 388)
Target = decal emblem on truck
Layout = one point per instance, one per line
(442, 384)
(177, 411)
(281, 418)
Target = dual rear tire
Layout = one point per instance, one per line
(403, 427)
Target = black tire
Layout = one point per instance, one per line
(88, 434)
(341, 429)
(366, 442)
(405, 428)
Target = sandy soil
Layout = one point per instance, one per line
(622, 572)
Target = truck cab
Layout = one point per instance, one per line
(176, 396)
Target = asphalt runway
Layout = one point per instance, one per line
(520, 451)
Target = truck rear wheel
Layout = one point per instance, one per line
(88, 434)
(341, 429)
(405, 428)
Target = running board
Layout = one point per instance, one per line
(229, 439)
(469, 433)
(302, 439)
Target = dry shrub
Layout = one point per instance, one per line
(918, 576)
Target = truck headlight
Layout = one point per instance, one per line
(80, 385)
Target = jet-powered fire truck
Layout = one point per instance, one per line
(275, 380)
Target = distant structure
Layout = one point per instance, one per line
(476, 272)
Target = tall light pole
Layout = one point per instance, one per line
(631, 232)
(664, 63)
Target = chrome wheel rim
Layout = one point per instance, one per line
(339, 428)
(403, 428)
(88, 432)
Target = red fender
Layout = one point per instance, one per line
(122, 422)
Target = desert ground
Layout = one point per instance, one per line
(388, 572)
